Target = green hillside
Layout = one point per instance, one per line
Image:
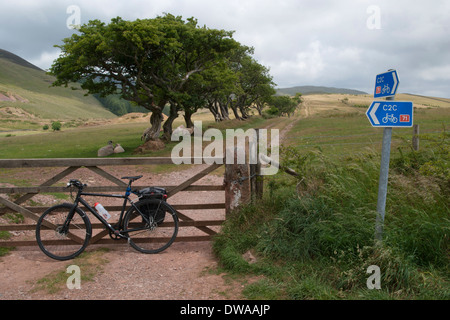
(25, 86)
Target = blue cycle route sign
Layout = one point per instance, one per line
(391, 114)
(386, 84)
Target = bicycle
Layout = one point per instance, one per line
(64, 230)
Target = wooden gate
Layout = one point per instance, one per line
(65, 168)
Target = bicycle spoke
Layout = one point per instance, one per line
(146, 230)
(58, 243)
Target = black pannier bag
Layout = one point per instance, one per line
(153, 193)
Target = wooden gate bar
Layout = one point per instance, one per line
(31, 215)
(95, 189)
(98, 162)
(194, 206)
(108, 176)
(53, 180)
(17, 208)
(195, 178)
(92, 164)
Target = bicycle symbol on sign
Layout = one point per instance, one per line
(386, 89)
(389, 118)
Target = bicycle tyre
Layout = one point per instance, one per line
(61, 245)
(146, 234)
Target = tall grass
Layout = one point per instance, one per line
(315, 237)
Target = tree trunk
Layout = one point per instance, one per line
(241, 105)
(224, 110)
(234, 108)
(259, 107)
(188, 118)
(243, 112)
(213, 109)
(214, 112)
(167, 127)
(156, 119)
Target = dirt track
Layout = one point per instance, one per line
(181, 272)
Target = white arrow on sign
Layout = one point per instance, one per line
(394, 88)
(372, 113)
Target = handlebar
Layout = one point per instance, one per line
(76, 183)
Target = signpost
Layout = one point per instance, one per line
(387, 114)
(391, 114)
(386, 84)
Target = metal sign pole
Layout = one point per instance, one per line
(383, 183)
(387, 115)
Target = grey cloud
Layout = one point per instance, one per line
(302, 42)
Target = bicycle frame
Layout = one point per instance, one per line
(126, 198)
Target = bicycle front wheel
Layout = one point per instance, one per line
(59, 242)
(151, 225)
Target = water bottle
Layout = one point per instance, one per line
(102, 211)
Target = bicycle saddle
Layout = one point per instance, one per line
(134, 178)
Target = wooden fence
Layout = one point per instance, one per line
(15, 198)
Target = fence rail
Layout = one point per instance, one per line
(22, 194)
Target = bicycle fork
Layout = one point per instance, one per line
(64, 229)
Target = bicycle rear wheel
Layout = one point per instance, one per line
(153, 227)
(58, 243)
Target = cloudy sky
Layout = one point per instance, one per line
(333, 43)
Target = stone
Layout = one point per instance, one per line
(119, 149)
(106, 150)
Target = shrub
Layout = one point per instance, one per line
(56, 126)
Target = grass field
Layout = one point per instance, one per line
(84, 141)
(339, 129)
(342, 134)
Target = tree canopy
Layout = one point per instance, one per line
(164, 61)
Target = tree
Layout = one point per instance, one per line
(254, 86)
(145, 61)
(214, 88)
(263, 94)
(283, 105)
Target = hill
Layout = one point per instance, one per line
(316, 90)
(27, 87)
(6, 55)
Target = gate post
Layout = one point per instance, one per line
(256, 179)
(237, 182)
